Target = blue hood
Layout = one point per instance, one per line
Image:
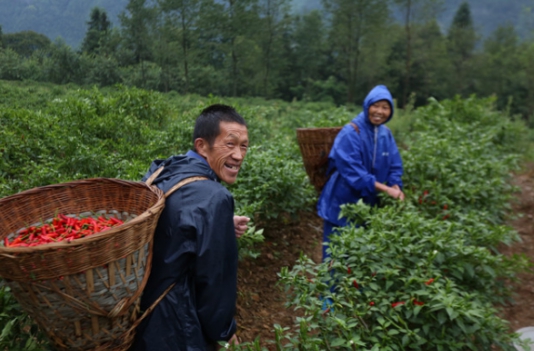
(380, 92)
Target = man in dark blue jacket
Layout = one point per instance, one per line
(363, 161)
(195, 244)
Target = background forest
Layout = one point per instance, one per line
(328, 50)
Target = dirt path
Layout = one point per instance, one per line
(261, 300)
(520, 313)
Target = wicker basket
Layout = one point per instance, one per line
(84, 294)
(315, 145)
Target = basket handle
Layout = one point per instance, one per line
(154, 176)
(178, 185)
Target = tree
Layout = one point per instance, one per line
(351, 22)
(180, 20)
(137, 23)
(500, 70)
(410, 7)
(461, 45)
(230, 26)
(431, 67)
(527, 57)
(274, 15)
(97, 31)
(64, 64)
(26, 42)
(306, 55)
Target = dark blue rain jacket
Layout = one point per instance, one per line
(195, 247)
(358, 160)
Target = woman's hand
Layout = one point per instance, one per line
(395, 192)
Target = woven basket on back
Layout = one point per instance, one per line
(315, 145)
(84, 294)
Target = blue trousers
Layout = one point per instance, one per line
(328, 228)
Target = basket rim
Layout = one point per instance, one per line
(318, 128)
(96, 237)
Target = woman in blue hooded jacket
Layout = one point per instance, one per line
(363, 161)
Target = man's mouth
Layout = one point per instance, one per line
(233, 168)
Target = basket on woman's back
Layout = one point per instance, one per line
(315, 145)
(83, 294)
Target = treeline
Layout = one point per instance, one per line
(259, 48)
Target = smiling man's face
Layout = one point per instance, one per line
(226, 154)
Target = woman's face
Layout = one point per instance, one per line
(379, 112)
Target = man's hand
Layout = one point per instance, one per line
(240, 224)
(233, 341)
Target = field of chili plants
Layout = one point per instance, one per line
(423, 274)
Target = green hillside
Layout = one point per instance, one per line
(487, 14)
(67, 18)
(55, 18)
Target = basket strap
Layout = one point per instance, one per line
(154, 176)
(355, 127)
(150, 309)
(182, 183)
(113, 344)
(178, 185)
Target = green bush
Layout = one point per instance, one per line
(17, 331)
(272, 182)
(403, 282)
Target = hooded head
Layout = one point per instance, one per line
(378, 94)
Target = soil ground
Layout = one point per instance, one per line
(520, 313)
(261, 302)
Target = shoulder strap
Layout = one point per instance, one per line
(182, 183)
(154, 176)
(177, 185)
(355, 127)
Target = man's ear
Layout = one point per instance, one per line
(201, 147)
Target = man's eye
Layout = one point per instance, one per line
(230, 144)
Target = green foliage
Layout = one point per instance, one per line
(97, 31)
(272, 181)
(262, 48)
(17, 332)
(83, 135)
(426, 273)
(402, 280)
(248, 242)
(457, 154)
(26, 42)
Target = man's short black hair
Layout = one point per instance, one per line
(207, 124)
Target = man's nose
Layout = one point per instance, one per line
(238, 154)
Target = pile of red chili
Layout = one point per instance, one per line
(61, 228)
